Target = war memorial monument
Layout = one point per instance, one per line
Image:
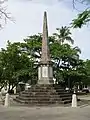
(44, 92)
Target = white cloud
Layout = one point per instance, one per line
(29, 18)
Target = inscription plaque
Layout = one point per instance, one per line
(44, 71)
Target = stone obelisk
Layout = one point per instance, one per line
(45, 70)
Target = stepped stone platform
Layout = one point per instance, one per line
(42, 95)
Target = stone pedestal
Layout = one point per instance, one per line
(45, 74)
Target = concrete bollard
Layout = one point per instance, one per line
(6, 104)
(74, 100)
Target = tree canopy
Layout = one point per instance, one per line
(20, 60)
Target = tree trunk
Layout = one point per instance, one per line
(9, 87)
(69, 83)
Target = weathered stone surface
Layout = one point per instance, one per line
(45, 71)
(44, 95)
(45, 57)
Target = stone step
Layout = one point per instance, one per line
(32, 101)
(66, 98)
(47, 98)
(63, 92)
(29, 92)
(52, 92)
(43, 90)
(19, 101)
(39, 93)
(35, 102)
(65, 95)
(45, 95)
(42, 85)
(24, 95)
(31, 98)
(39, 98)
(66, 101)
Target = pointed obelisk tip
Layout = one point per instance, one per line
(45, 13)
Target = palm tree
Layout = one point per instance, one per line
(63, 34)
(77, 49)
(77, 52)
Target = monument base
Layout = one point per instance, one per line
(45, 81)
(42, 95)
(45, 75)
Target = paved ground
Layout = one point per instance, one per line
(84, 97)
(44, 113)
(47, 113)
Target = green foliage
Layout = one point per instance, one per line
(87, 67)
(63, 34)
(82, 19)
(16, 65)
(19, 61)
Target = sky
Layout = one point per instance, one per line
(28, 16)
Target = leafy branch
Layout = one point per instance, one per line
(82, 19)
